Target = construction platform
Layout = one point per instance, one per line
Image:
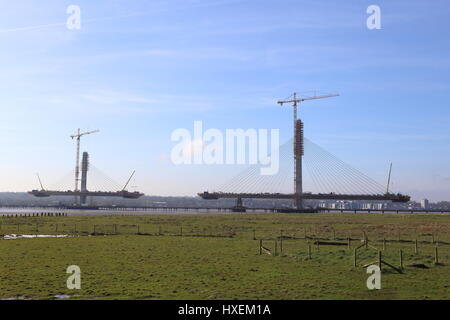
(123, 194)
(305, 196)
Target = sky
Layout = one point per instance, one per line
(138, 70)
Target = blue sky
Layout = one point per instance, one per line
(137, 70)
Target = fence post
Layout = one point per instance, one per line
(281, 246)
(254, 234)
(260, 246)
(436, 256)
(348, 243)
(416, 249)
(401, 259)
(379, 259)
(354, 257)
(56, 228)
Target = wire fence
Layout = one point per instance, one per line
(311, 241)
(52, 228)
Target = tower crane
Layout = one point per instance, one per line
(298, 143)
(294, 101)
(78, 136)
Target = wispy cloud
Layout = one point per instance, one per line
(167, 7)
(26, 28)
(384, 137)
(119, 102)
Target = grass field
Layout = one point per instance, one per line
(218, 257)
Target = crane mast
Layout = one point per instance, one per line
(298, 144)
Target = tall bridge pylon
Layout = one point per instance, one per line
(78, 136)
(299, 144)
(81, 195)
(332, 178)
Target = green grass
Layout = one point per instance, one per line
(217, 258)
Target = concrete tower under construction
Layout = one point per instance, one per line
(298, 155)
(81, 194)
(84, 170)
(299, 145)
